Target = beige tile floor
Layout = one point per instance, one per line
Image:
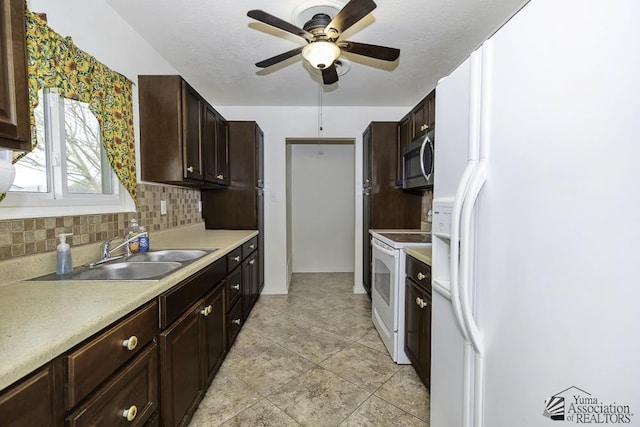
(313, 358)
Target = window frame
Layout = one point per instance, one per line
(58, 201)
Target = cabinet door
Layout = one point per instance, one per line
(222, 151)
(425, 341)
(259, 141)
(30, 402)
(417, 334)
(419, 118)
(181, 368)
(413, 323)
(431, 109)
(191, 128)
(214, 331)
(404, 138)
(366, 157)
(209, 149)
(14, 104)
(366, 240)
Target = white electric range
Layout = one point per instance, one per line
(387, 289)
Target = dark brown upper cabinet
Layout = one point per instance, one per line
(414, 125)
(215, 147)
(14, 102)
(180, 140)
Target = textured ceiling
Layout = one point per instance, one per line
(214, 45)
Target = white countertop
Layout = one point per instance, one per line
(41, 320)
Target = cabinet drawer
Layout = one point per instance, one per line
(419, 272)
(234, 323)
(234, 258)
(134, 389)
(249, 246)
(95, 361)
(234, 288)
(175, 301)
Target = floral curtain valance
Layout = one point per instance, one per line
(55, 62)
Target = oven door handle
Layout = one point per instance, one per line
(383, 250)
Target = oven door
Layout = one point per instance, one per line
(384, 291)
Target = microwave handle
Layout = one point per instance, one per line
(424, 145)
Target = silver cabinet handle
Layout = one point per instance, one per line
(365, 193)
(253, 261)
(236, 258)
(220, 176)
(236, 321)
(252, 246)
(236, 286)
(190, 169)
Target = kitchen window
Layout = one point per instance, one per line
(69, 166)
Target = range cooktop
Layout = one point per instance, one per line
(408, 237)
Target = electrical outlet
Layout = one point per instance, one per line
(163, 207)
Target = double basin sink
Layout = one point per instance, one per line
(152, 265)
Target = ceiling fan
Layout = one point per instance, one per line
(322, 34)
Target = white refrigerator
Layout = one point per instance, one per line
(536, 228)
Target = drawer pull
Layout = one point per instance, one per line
(421, 276)
(420, 302)
(236, 286)
(252, 246)
(236, 258)
(220, 176)
(130, 343)
(207, 310)
(236, 321)
(190, 169)
(253, 261)
(130, 414)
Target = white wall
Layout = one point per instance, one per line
(99, 31)
(280, 123)
(323, 207)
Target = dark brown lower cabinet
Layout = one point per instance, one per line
(214, 331)
(191, 352)
(32, 401)
(417, 333)
(250, 286)
(181, 368)
(130, 398)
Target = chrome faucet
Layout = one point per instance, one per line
(106, 250)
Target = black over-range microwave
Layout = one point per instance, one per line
(417, 170)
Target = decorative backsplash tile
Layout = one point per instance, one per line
(35, 235)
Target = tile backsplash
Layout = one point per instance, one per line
(36, 235)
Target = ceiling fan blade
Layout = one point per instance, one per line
(351, 13)
(330, 74)
(370, 50)
(269, 19)
(279, 58)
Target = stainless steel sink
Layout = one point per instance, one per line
(176, 255)
(126, 271)
(152, 265)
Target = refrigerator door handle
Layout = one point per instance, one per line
(461, 194)
(466, 254)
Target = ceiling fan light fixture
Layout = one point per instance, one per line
(321, 54)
